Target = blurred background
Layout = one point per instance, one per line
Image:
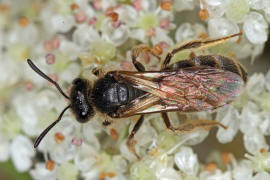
(260, 64)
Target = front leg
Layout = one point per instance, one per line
(106, 123)
(98, 72)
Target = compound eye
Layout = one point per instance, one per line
(77, 81)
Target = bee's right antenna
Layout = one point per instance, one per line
(37, 70)
(41, 136)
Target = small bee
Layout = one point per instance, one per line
(201, 83)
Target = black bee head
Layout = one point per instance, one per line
(80, 101)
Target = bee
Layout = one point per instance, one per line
(201, 83)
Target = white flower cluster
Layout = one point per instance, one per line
(67, 38)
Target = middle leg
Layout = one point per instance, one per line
(131, 142)
(135, 53)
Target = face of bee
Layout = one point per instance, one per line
(79, 100)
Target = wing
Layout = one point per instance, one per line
(187, 90)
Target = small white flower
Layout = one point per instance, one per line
(84, 5)
(255, 28)
(4, 150)
(69, 48)
(244, 49)
(114, 35)
(228, 116)
(41, 173)
(254, 141)
(138, 34)
(259, 162)
(217, 174)
(257, 50)
(24, 33)
(187, 31)
(121, 164)
(242, 170)
(261, 175)
(67, 171)
(182, 5)
(267, 80)
(92, 174)
(82, 32)
(62, 23)
(250, 118)
(148, 21)
(145, 135)
(70, 73)
(118, 177)
(106, 4)
(60, 150)
(187, 161)
(7, 75)
(197, 137)
(127, 15)
(166, 173)
(85, 158)
(32, 112)
(256, 4)
(89, 132)
(22, 152)
(84, 35)
(125, 152)
(216, 8)
(161, 35)
(220, 27)
(264, 125)
(149, 5)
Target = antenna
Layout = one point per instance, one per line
(37, 70)
(41, 136)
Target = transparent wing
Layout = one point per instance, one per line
(187, 90)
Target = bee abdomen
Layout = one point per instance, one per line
(231, 65)
(215, 61)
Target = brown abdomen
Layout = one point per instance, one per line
(216, 61)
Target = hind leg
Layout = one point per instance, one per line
(193, 45)
(190, 125)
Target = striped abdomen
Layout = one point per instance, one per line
(216, 61)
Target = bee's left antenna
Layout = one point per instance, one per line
(41, 136)
(37, 70)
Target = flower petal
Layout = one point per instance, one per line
(22, 151)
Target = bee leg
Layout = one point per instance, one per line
(98, 72)
(131, 141)
(190, 125)
(135, 53)
(193, 45)
(106, 123)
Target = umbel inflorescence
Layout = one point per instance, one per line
(69, 38)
